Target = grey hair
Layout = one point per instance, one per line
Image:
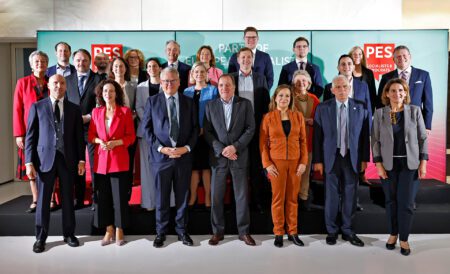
(172, 41)
(37, 53)
(336, 78)
(304, 73)
(169, 70)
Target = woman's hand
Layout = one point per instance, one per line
(381, 171)
(272, 170)
(20, 142)
(422, 169)
(301, 169)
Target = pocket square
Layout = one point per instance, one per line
(418, 82)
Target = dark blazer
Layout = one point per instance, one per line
(52, 70)
(261, 97)
(263, 65)
(240, 133)
(40, 148)
(368, 77)
(156, 126)
(183, 70)
(360, 93)
(325, 134)
(420, 91)
(314, 71)
(415, 137)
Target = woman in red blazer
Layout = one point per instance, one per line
(306, 103)
(29, 90)
(112, 130)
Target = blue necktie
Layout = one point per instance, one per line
(174, 130)
(81, 84)
(343, 129)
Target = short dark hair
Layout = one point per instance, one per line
(152, 59)
(63, 43)
(397, 48)
(244, 49)
(82, 51)
(345, 56)
(300, 39)
(119, 92)
(247, 29)
(127, 69)
(227, 75)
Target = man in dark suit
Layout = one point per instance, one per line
(54, 147)
(419, 82)
(101, 61)
(62, 67)
(81, 91)
(341, 150)
(172, 53)
(170, 127)
(262, 63)
(420, 90)
(301, 50)
(228, 127)
(252, 86)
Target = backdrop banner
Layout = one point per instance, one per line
(325, 49)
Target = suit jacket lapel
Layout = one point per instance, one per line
(115, 121)
(333, 118)
(218, 112)
(183, 109)
(235, 109)
(407, 117)
(386, 121)
(49, 111)
(412, 80)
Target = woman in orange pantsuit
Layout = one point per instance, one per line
(284, 155)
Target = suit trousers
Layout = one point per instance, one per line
(179, 174)
(399, 197)
(340, 195)
(285, 189)
(131, 153)
(112, 200)
(240, 187)
(304, 187)
(45, 184)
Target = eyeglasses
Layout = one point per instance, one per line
(251, 37)
(172, 82)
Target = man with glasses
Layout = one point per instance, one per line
(262, 63)
(170, 126)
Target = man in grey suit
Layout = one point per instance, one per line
(229, 126)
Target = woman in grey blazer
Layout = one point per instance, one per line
(400, 152)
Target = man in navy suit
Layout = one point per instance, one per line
(252, 85)
(170, 127)
(262, 63)
(172, 53)
(301, 50)
(418, 80)
(62, 67)
(81, 91)
(340, 151)
(420, 90)
(54, 147)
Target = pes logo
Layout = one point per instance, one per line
(380, 58)
(112, 50)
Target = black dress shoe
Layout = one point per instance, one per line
(278, 241)
(159, 240)
(392, 245)
(295, 240)
(353, 239)
(38, 246)
(186, 239)
(405, 251)
(72, 241)
(331, 239)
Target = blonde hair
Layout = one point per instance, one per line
(363, 59)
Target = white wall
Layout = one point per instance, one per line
(21, 18)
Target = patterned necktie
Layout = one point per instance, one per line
(81, 84)
(343, 130)
(404, 76)
(57, 111)
(174, 130)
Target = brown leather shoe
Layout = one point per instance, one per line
(215, 239)
(247, 239)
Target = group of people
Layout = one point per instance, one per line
(196, 124)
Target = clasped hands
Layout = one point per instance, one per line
(108, 145)
(174, 152)
(229, 152)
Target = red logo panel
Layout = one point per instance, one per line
(380, 58)
(112, 50)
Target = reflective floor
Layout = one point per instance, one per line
(429, 255)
